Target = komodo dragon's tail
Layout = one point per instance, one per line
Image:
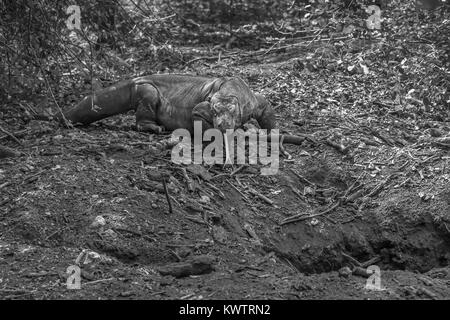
(103, 103)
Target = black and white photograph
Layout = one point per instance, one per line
(235, 152)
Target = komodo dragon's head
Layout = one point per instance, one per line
(231, 103)
(225, 110)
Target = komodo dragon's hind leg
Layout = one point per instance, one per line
(147, 101)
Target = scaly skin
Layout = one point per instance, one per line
(172, 101)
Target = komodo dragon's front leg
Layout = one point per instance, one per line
(264, 113)
(202, 112)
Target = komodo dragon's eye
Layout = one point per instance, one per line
(224, 104)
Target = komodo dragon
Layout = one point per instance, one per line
(171, 101)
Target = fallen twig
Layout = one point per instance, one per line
(216, 189)
(370, 262)
(232, 173)
(239, 191)
(55, 233)
(351, 259)
(303, 179)
(302, 217)
(189, 182)
(98, 281)
(10, 135)
(261, 196)
(17, 134)
(208, 58)
(352, 187)
(166, 191)
(196, 220)
(441, 145)
(379, 187)
(354, 196)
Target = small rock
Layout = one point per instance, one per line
(110, 234)
(90, 276)
(204, 200)
(436, 133)
(91, 257)
(219, 234)
(345, 272)
(198, 265)
(126, 294)
(193, 207)
(249, 228)
(99, 221)
(302, 285)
